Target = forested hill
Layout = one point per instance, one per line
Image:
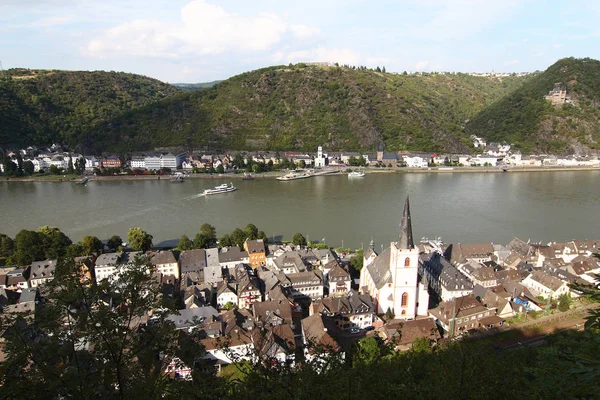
(44, 106)
(303, 106)
(524, 117)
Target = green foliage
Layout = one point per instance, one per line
(225, 241)
(7, 245)
(525, 118)
(238, 237)
(357, 260)
(185, 243)
(367, 351)
(81, 346)
(301, 107)
(251, 232)
(60, 106)
(114, 242)
(389, 314)
(421, 345)
(564, 302)
(91, 245)
(299, 239)
(139, 239)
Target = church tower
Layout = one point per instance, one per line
(404, 266)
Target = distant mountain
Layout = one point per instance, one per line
(45, 106)
(533, 123)
(303, 106)
(188, 87)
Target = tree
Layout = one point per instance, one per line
(114, 242)
(225, 241)
(54, 170)
(263, 236)
(209, 231)
(81, 346)
(70, 168)
(28, 247)
(220, 169)
(7, 245)
(357, 260)
(564, 302)
(367, 351)
(238, 237)
(139, 239)
(55, 242)
(202, 241)
(185, 243)
(28, 167)
(383, 69)
(251, 232)
(91, 245)
(378, 69)
(421, 345)
(238, 160)
(299, 239)
(388, 314)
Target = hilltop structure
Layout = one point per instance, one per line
(391, 277)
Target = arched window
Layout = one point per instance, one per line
(404, 301)
(403, 312)
(407, 262)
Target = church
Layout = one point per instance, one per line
(392, 278)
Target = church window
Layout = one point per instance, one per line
(404, 301)
(407, 262)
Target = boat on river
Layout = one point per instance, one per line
(177, 178)
(248, 177)
(356, 174)
(224, 188)
(83, 181)
(292, 176)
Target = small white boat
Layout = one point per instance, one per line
(224, 188)
(293, 176)
(356, 174)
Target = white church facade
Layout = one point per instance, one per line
(392, 278)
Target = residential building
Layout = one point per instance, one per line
(462, 314)
(112, 162)
(164, 261)
(307, 284)
(138, 162)
(229, 257)
(257, 255)
(193, 261)
(41, 272)
(226, 294)
(444, 278)
(545, 285)
(350, 311)
(338, 281)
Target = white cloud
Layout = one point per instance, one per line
(421, 65)
(304, 32)
(204, 29)
(511, 62)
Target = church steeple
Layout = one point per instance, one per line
(405, 240)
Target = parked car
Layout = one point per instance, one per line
(354, 330)
(369, 328)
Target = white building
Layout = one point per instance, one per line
(415, 161)
(138, 162)
(391, 278)
(320, 159)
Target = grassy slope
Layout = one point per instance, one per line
(300, 107)
(40, 107)
(526, 119)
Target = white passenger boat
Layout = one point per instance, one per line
(293, 176)
(356, 174)
(224, 188)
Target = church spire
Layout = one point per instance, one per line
(405, 240)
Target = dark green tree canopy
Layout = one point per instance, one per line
(139, 239)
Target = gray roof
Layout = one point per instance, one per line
(186, 317)
(212, 257)
(42, 269)
(379, 269)
(108, 259)
(232, 254)
(405, 240)
(449, 277)
(192, 260)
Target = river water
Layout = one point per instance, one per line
(458, 207)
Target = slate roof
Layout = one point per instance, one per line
(315, 333)
(162, 257)
(186, 316)
(192, 260)
(255, 246)
(379, 269)
(232, 254)
(521, 248)
(273, 312)
(449, 277)
(108, 259)
(547, 280)
(42, 269)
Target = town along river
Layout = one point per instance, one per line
(458, 207)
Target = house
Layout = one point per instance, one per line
(546, 285)
(444, 278)
(41, 272)
(111, 162)
(289, 262)
(248, 287)
(17, 279)
(352, 310)
(492, 298)
(229, 257)
(392, 277)
(274, 344)
(272, 313)
(192, 261)
(307, 284)
(108, 265)
(12, 301)
(461, 314)
(404, 333)
(317, 341)
(461, 253)
(138, 162)
(226, 294)
(197, 295)
(338, 281)
(257, 255)
(164, 261)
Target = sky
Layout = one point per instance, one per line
(204, 40)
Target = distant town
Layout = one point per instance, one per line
(306, 294)
(56, 160)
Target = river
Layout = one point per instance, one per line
(458, 207)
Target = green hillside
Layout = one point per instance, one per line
(302, 106)
(532, 123)
(43, 106)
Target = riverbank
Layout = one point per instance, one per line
(275, 174)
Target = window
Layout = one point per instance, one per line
(403, 312)
(404, 301)
(407, 262)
